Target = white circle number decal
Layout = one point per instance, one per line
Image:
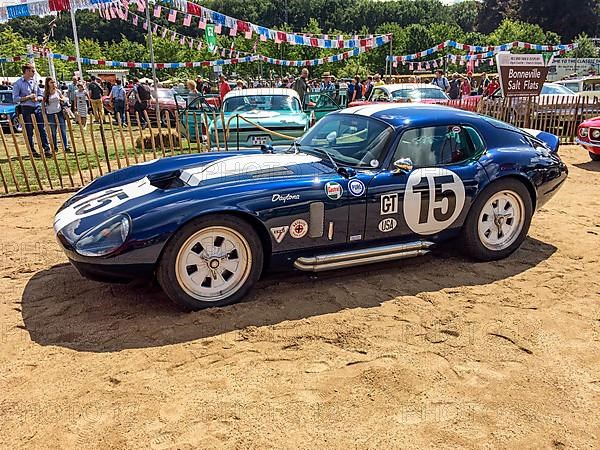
(434, 199)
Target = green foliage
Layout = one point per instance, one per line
(414, 25)
(586, 48)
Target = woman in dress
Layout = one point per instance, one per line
(53, 102)
(81, 104)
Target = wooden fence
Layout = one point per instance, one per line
(103, 147)
(557, 114)
(94, 149)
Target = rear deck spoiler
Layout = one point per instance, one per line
(551, 140)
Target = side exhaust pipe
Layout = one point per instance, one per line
(331, 261)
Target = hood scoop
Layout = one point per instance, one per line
(260, 166)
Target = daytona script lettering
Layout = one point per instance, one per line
(284, 198)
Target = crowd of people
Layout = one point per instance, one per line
(47, 102)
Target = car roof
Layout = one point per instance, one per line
(262, 91)
(404, 115)
(395, 87)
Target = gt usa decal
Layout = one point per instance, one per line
(284, 197)
(102, 201)
(334, 190)
(387, 224)
(433, 200)
(356, 187)
(389, 204)
(298, 229)
(279, 233)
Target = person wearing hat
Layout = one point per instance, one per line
(327, 82)
(224, 87)
(239, 85)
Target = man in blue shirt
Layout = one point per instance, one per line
(117, 95)
(28, 95)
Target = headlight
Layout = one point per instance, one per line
(583, 132)
(595, 134)
(105, 238)
(2, 116)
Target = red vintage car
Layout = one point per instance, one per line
(412, 92)
(168, 101)
(588, 135)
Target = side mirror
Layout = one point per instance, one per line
(403, 165)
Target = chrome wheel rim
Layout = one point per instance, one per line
(213, 263)
(501, 220)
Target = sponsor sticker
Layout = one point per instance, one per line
(279, 233)
(334, 190)
(356, 187)
(456, 129)
(374, 163)
(284, 197)
(298, 229)
(388, 224)
(389, 204)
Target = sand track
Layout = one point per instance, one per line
(431, 352)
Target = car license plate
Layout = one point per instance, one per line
(260, 140)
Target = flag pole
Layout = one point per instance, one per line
(151, 45)
(75, 38)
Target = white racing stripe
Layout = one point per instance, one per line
(102, 201)
(534, 133)
(239, 165)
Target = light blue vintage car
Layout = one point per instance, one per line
(248, 118)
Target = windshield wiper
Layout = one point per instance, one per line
(343, 171)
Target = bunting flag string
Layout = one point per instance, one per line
(203, 15)
(488, 51)
(178, 65)
(47, 7)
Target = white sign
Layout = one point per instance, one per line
(565, 67)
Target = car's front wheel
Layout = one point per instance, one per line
(594, 156)
(498, 221)
(211, 261)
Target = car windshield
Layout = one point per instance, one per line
(261, 103)
(572, 86)
(6, 97)
(419, 94)
(350, 139)
(556, 89)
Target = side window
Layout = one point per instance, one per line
(445, 144)
(379, 95)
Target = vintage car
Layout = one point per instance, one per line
(168, 101)
(405, 92)
(364, 185)
(248, 116)
(588, 136)
(8, 111)
(585, 87)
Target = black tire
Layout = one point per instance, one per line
(594, 156)
(471, 242)
(174, 287)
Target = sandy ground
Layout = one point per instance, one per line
(432, 352)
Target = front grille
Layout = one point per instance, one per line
(590, 135)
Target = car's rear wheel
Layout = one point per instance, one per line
(212, 261)
(594, 156)
(498, 221)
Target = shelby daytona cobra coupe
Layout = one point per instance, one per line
(364, 185)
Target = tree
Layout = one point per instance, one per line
(585, 47)
(493, 12)
(12, 44)
(465, 13)
(565, 17)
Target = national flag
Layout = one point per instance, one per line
(135, 20)
(172, 16)
(157, 10)
(233, 31)
(202, 24)
(164, 32)
(248, 34)
(218, 28)
(187, 20)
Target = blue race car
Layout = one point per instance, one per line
(364, 185)
(8, 111)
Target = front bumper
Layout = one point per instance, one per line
(594, 148)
